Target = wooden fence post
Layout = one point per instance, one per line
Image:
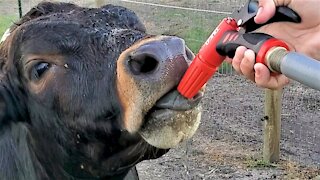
(272, 126)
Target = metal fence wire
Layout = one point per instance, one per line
(229, 141)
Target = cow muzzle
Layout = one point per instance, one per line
(147, 76)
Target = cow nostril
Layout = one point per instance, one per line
(142, 64)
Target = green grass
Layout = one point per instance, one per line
(194, 27)
(259, 163)
(195, 37)
(5, 22)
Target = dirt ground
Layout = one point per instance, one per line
(229, 141)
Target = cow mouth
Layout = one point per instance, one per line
(171, 120)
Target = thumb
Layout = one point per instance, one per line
(266, 10)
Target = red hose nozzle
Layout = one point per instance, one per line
(206, 62)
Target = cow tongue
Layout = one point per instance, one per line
(175, 101)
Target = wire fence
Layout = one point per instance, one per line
(231, 133)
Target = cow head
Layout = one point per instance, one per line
(88, 93)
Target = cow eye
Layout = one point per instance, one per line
(39, 69)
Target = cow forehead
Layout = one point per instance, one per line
(98, 18)
(106, 20)
(39, 36)
(68, 35)
(108, 30)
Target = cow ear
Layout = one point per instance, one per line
(15, 158)
(6, 111)
(12, 108)
(11, 102)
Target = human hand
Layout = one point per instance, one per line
(302, 37)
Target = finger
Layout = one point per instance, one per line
(236, 61)
(228, 60)
(266, 10)
(247, 64)
(264, 79)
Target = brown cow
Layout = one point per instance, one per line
(86, 93)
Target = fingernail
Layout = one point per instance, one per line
(259, 11)
(257, 72)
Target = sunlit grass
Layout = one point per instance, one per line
(5, 22)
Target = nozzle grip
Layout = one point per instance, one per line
(260, 43)
(233, 39)
(282, 14)
(250, 10)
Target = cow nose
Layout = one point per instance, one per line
(146, 72)
(158, 55)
